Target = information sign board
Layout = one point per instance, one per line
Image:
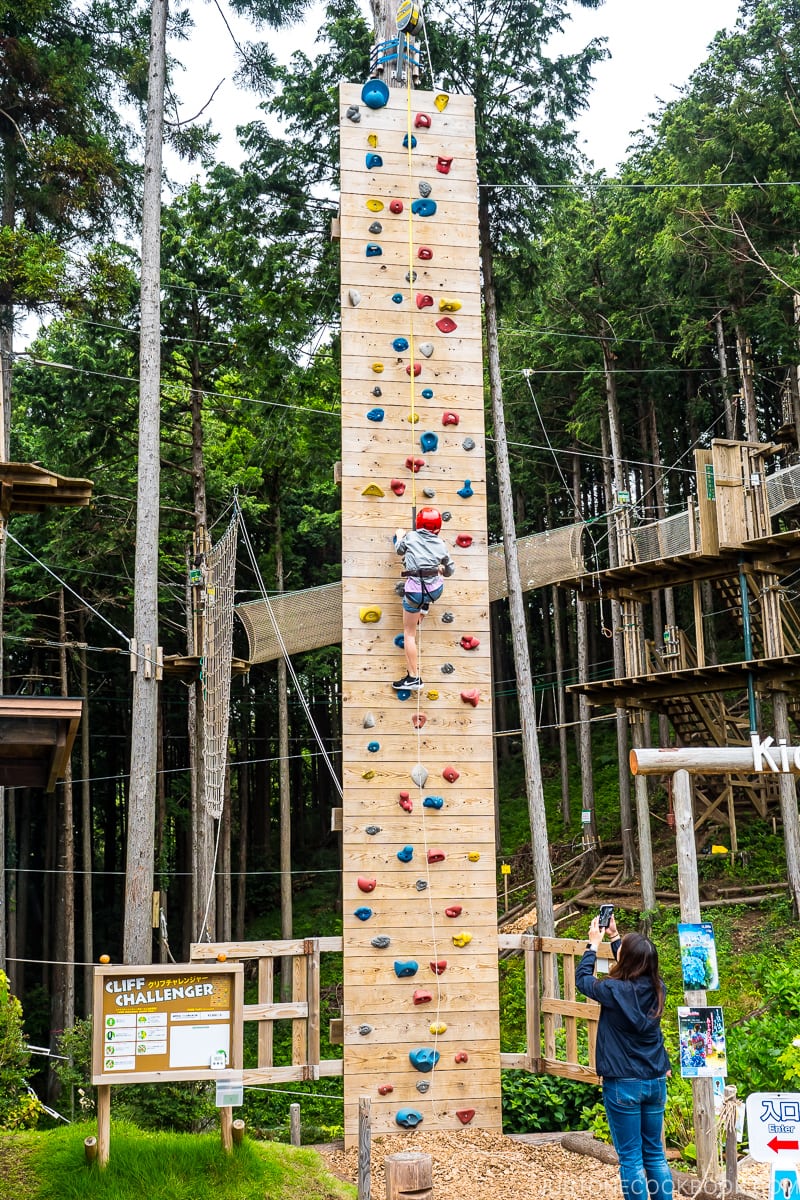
(773, 1126)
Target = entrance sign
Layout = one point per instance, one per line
(773, 1126)
(157, 1023)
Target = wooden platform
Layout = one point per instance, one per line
(187, 666)
(36, 737)
(24, 487)
(644, 691)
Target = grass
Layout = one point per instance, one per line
(160, 1166)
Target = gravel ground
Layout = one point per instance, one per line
(481, 1165)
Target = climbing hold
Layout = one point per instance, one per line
(462, 1056)
(425, 253)
(427, 393)
(418, 720)
(363, 914)
(397, 486)
(370, 613)
(372, 140)
(354, 297)
(425, 188)
(454, 911)
(376, 414)
(373, 160)
(433, 694)
(423, 1059)
(429, 493)
(437, 1027)
(462, 939)
(421, 208)
(422, 121)
(465, 1115)
(417, 369)
(429, 442)
(406, 803)
(396, 206)
(466, 491)
(366, 885)
(373, 747)
(423, 1086)
(376, 391)
(471, 697)
(447, 618)
(372, 830)
(447, 668)
(419, 774)
(446, 305)
(412, 418)
(397, 298)
(400, 344)
(385, 1089)
(426, 349)
(439, 967)
(411, 276)
(468, 443)
(464, 540)
(433, 802)
(372, 489)
(446, 515)
(353, 113)
(375, 205)
(406, 854)
(469, 642)
(375, 94)
(369, 721)
(403, 694)
(415, 464)
(450, 418)
(413, 142)
(421, 884)
(400, 641)
(446, 325)
(404, 970)
(381, 941)
(422, 997)
(408, 1118)
(443, 164)
(377, 228)
(364, 1030)
(450, 774)
(424, 300)
(373, 250)
(441, 101)
(377, 368)
(434, 856)
(474, 856)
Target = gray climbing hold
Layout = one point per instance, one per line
(354, 297)
(423, 1086)
(369, 721)
(376, 227)
(421, 884)
(364, 1030)
(425, 188)
(426, 349)
(411, 276)
(447, 516)
(376, 391)
(353, 113)
(372, 830)
(381, 942)
(419, 775)
(429, 493)
(447, 668)
(468, 443)
(447, 618)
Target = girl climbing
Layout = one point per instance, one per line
(425, 561)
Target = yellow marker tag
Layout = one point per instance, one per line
(441, 101)
(473, 856)
(505, 869)
(438, 1027)
(375, 205)
(377, 368)
(719, 849)
(372, 489)
(449, 305)
(369, 616)
(372, 139)
(433, 695)
(413, 418)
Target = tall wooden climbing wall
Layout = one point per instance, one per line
(420, 915)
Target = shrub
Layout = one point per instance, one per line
(19, 1108)
(541, 1103)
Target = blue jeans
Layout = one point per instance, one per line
(635, 1111)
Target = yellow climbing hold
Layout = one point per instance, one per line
(377, 368)
(413, 418)
(437, 1027)
(375, 205)
(433, 695)
(449, 305)
(441, 101)
(372, 489)
(473, 856)
(369, 614)
(462, 939)
(367, 774)
(372, 138)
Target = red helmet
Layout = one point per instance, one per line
(430, 519)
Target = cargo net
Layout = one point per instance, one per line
(783, 490)
(313, 618)
(664, 539)
(217, 659)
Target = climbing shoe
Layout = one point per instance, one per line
(409, 683)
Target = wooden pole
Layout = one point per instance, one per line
(294, 1124)
(103, 1123)
(712, 760)
(226, 1128)
(409, 1174)
(364, 1148)
(729, 1126)
(90, 1149)
(237, 1131)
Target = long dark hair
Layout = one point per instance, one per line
(638, 959)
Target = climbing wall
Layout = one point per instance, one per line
(421, 1026)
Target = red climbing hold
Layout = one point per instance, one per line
(385, 1089)
(464, 540)
(439, 967)
(450, 418)
(435, 856)
(366, 885)
(417, 369)
(415, 464)
(454, 911)
(406, 803)
(423, 300)
(471, 697)
(450, 774)
(446, 325)
(421, 997)
(396, 206)
(443, 164)
(425, 253)
(470, 642)
(422, 121)
(397, 486)
(462, 1056)
(418, 720)
(465, 1115)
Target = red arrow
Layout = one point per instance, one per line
(777, 1145)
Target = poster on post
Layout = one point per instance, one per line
(698, 956)
(701, 1034)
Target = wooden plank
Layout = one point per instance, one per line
(454, 279)
(476, 917)
(274, 948)
(434, 372)
(533, 1012)
(404, 1030)
(488, 1116)
(402, 750)
(446, 1085)
(312, 986)
(552, 1066)
(461, 971)
(482, 1055)
(275, 1011)
(300, 996)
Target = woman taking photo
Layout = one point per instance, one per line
(630, 1057)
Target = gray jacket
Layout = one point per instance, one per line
(423, 550)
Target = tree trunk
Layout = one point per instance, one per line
(87, 859)
(62, 1001)
(744, 354)
(561, 705)
(244, 816)
(283, 776)
(722, 355)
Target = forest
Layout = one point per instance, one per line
(638, 317)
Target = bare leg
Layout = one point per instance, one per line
(410, 622)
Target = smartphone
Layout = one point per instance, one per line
(605, 915)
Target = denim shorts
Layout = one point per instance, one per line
(414, 602)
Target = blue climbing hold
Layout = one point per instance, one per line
(403, 694)
(375, 93)
(413, 142)
(400, 344)
(406, 854)
(374, 160)
(363, 913)
(424, 1059)
(433, 802)
(375, 414)
(400, 641)
(427, 393)
(403, 970)
(422, 208)
(373, 747)
(397, 298)
(373, 250)
(408, 1118)
(466, 491)
(429, 442)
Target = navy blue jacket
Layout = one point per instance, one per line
(630, 1044)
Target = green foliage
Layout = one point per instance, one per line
(534, 1103)
(18, 1108)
